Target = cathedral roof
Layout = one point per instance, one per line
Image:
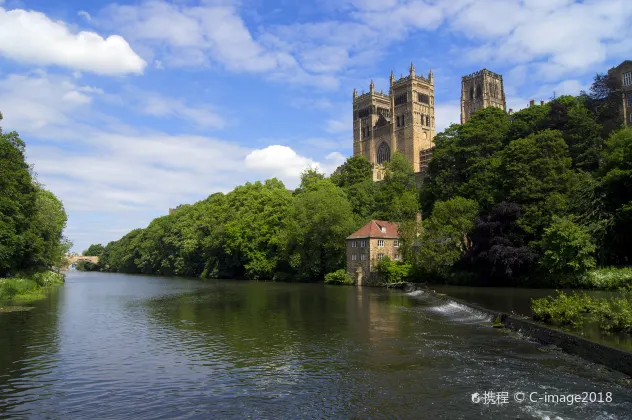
(377, 229)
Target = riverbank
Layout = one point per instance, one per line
(24, 289)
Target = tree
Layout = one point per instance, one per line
(355, 170)
(446, 236)
(535, 173)
(396, 196)
(616, 187)
(499, 254)
(604, 101)
(567, 248)
(313, 238)
(93, 250)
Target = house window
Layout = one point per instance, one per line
(363, 257)
(362, 244)
(627, 78)
(396, 243)
(396, 257)
(354, 244)
(380, 256)
(630, 100)
(354, 257)
(380, 243)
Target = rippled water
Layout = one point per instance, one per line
(109, 346)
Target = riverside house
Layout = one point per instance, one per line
(368, 245)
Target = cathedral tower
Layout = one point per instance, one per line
(481, 90)
(403, 121)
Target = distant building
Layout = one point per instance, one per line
(402, 120)
(481, 90)
(368, 245)
(623, 73)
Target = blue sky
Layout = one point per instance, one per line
(130, 108)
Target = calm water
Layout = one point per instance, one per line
(108, 346)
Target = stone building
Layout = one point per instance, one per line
(481, 90)
(623, 73)
(368, 245)
(403, 121)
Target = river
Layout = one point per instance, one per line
(113, 346)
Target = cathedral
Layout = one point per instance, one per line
(404, 120)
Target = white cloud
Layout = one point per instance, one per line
(112, 177)
(84, 15)
(212, 33)
(160, 106)
(447, 113)
(31, 37)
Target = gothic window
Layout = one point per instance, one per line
(479, 92)
(398, 120)
(627, 78)
(401, 99)
(423, 98)
(428, 120)
(630, 100)
(403, 120)
(423, 119)
(472, 92)
(383, 153)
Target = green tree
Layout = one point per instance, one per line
(396, 197)
(313, 238)
(535, 173)
(355, 170)
(616, 187)
(446, 236)
(567, 248)
(93, 250)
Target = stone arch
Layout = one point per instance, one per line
(383, 153)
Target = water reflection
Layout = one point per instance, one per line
(115, 346)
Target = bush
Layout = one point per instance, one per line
(338, 277)
(609, 278)
(614, 314)
(19, 288)
(567, 248)
(392, 272)
(48, 278)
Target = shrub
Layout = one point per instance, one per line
(567, 248)
(392, 272)
(338, 277)
(610, 278)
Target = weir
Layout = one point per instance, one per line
(603, 354)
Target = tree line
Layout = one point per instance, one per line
(537, 197)
(32, 219)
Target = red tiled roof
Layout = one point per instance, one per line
(372, 230)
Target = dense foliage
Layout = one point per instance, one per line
(538, 197)
(262, 230)
(32, 219)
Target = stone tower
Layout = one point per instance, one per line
(481, 90)
(403, 120)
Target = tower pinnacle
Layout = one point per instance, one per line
(392, 77)
(355, 93)
(430, 76)
(371, 86)
(412, 69)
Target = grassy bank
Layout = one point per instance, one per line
(28, 289)
(611, 314)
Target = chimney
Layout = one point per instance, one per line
(541, 103)
(532, 102)
(510, 111)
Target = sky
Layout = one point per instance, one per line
(131, 108)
